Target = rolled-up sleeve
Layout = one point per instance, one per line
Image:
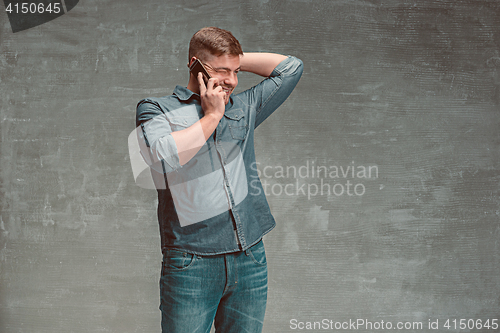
(273, 91)
(160, 151)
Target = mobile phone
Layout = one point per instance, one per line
(197, 67)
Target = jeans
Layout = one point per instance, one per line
(229, 290)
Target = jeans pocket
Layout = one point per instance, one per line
(258, 254)
(178, 260)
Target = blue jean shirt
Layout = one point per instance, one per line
(214, 203)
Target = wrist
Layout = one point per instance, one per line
(214, 116)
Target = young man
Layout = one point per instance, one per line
(199, 144)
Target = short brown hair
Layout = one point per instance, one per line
(213, 41)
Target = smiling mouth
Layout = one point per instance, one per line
(227, 90)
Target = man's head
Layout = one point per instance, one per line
(219, 51)
(212, 41)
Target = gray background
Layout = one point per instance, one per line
(412, 87)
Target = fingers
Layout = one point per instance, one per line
(218, 91)
(212, 96)
(213, 83)
(203, 88)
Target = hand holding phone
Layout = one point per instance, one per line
(212, 96)
(197, 67)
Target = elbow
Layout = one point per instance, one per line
(164, 150)
(290, 69)
(293, 67)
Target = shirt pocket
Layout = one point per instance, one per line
(178, 123)
(237, 123)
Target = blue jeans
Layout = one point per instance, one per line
(229, 290)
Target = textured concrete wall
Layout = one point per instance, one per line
(409, 90)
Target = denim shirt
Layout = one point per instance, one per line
(215, 202)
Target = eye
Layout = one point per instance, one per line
(222, 71)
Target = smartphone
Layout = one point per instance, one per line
(197, 67)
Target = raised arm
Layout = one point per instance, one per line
(282, 75)
(190, 140)
(261, 64)
(176, 148)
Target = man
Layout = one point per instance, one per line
(199, 144)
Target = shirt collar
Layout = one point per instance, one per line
(184, 93)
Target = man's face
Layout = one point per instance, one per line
(225, 68)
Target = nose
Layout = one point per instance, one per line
(231, 79)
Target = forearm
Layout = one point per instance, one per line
(261, 64)
(190, 140)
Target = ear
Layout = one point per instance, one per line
(191, 61)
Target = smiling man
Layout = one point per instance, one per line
(199, 144)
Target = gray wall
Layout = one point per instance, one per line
(409, 88)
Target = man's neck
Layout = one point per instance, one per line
(193, 85)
